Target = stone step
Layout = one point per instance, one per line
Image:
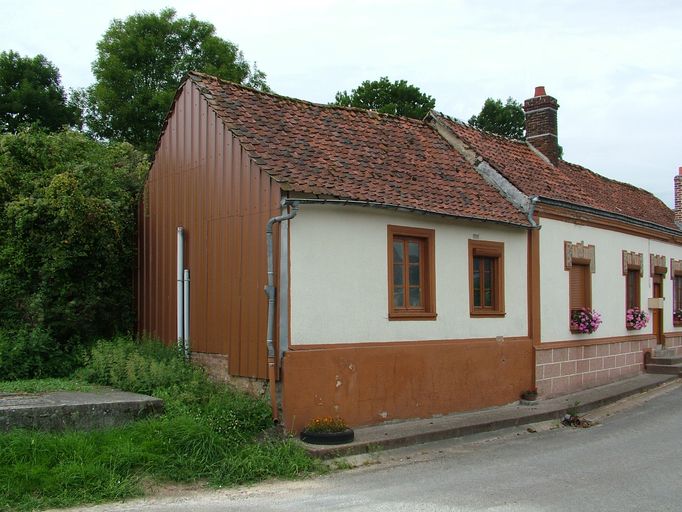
(670, 369)
(666, 360)
(68, 410)
(663, 352)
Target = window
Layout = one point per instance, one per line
(579, 286)
(486, 278)
(411, 269)
(677, 300)
(632, 289)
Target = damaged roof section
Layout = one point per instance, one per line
(528, 171)
(355, 154)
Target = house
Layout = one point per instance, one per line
(416, 268)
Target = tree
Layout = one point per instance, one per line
(381, 95)
(140, 63)
(506, 119)
(31, 92)
(68, 229)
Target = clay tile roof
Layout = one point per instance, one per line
(354, 154)
(535, 176)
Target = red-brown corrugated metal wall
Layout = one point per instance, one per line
(203, 180)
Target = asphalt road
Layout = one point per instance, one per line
(631, 460)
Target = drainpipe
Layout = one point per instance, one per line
(185, 315)
(180, 294)
(270, 292)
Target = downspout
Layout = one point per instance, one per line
(271, 293)
(185, 315)
(180, 294)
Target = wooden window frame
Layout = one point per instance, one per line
(427, 241)
(637, 299)
(675, 274)
(585, 267)
(676, 304)
(495, 251)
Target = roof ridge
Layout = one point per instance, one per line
(274, 95)
(481, 130)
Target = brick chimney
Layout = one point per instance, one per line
(541, 123)
(678, 197)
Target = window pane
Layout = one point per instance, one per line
(488, 283)
(413, 248)
(414, 275)
(397, 251)
(397, 275)
(477, 285)
(415, 297)
(398, 297)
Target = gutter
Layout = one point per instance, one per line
(608, 215)
(405, 209)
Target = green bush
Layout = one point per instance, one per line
(32, 353)
(140, 367)
(67, 223)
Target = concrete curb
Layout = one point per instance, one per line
(64, 410)
(404, 433)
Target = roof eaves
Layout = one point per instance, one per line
(407, 209)
(609, 215)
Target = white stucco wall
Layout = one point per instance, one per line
(608, 282)
(339, 278)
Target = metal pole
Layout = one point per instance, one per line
(180, 292)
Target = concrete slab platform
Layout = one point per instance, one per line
(403, 433)
(65, 410)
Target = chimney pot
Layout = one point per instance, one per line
(680, 171)
(540, 91)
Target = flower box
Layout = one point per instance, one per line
(636, 319)
(584, 321)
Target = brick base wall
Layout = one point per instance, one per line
(568, 369)
(217, 369)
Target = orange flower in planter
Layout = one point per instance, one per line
(327, 424)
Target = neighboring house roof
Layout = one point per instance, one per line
(354, 154)
(524, 168)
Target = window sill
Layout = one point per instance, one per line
(487, 314)
(412, 316)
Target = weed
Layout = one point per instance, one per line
(47, 385)
(209, 434)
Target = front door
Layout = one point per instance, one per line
(657, 314)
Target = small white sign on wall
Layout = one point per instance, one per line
(656, 303)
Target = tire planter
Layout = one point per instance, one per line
(343, 437)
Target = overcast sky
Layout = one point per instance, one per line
(614, 66)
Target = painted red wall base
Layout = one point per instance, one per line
(372, 383)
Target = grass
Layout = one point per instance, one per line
(47, 385)
(209, 434)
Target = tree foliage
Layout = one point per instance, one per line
(140, 63)
(68, 234)
(31, 92)
(399, 98)
(506, 119)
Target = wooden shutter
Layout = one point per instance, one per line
(578, 287)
